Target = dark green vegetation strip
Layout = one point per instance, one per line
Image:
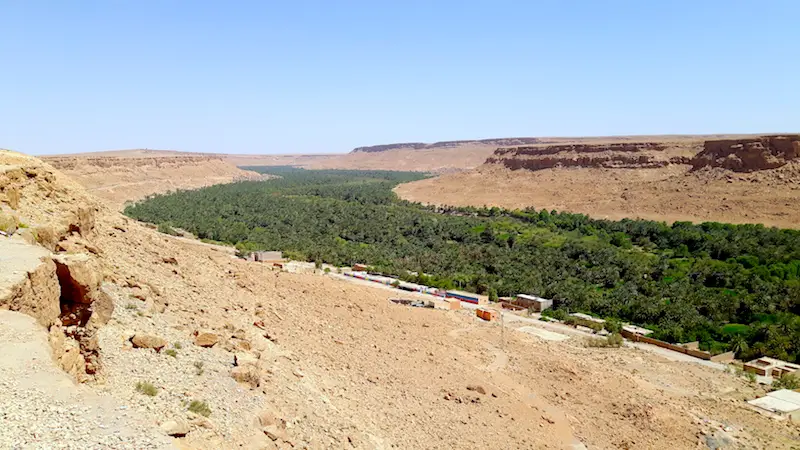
(728, 286)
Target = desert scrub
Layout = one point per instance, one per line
(177, 345)
(131, 306)
(199, 407)
(198, 368)
(613, 340)
(171, 352)
(146, 388)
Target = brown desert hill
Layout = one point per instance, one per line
(737, 180)
(444, 156)
(218, 352)
(130, 175)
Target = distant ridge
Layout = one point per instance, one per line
(445, 144)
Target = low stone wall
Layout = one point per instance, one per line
(691, 350)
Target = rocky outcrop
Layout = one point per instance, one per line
(104, 162)
(615, 155)
(28, 282)
(446, 144)
(62, 290)
(748, 155)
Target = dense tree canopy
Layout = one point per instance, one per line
(728, 286)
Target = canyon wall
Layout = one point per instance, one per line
(627, 155)
(748, 155)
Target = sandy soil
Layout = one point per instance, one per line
(669, 194)
(135, 174)
(336, 365)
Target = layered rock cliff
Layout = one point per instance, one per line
(748, 155)
(614, 155)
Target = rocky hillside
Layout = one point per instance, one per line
(630, 155)
(739, 180)
(749, 155)
(131, 175)
(180, 343)
(740, 155)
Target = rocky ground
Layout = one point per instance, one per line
(42, 408)
(204, 350)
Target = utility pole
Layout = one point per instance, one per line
(502, 330)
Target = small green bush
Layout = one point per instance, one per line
(166, 228)
(594, 326)
(131, 306)
(613, 340)
(177, 345)
(613, 325)
(558, 314)
(146, 388)
(787, 381)
(199, 407)
(171, 352)
(198, 366)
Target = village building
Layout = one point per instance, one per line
(581, 317)
(770, 367)
(783, 403)
(468, 297)
(270, 257)
(537, 304)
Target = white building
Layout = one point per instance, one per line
(784, 404)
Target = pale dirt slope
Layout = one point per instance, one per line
(330, 364)
(669, 194)
(665, 182)
(134, 174)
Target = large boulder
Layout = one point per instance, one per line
(206, 340)
(141, 340)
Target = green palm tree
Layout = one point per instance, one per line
(738, 344)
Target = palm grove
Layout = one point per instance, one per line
(727, 286)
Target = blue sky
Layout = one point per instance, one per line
(327, 76)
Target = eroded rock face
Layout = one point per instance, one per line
(28, 281)
(616, 155)
(82, 298)
(63, 292)
(749, 155)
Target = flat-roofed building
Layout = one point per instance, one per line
(782, 403)
(770, 367)
(538, 304)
